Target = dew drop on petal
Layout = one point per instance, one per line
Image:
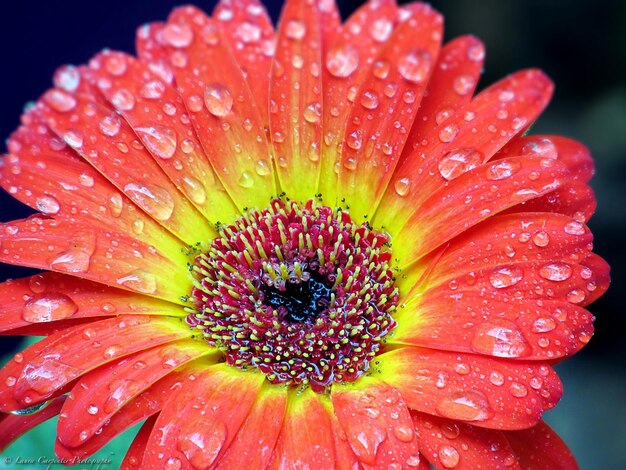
(153, 90)
(201, 448)
(194, 189)
(342, 60)
(448, 456)
(544, 324)
(155, 200)
(459, 161)
(110, 125)
(365, 443)
(403, 433)
(541, 238)
(369, 99)
(574, 228)
(465, 406)
(496, 378)
(173, 463)
(313, 112)
(48, 205)
(500, 338)
(476, 53)
(139, 281)
(177, 35)
(76, 259)
(448, 133)
(159, 140)
(502, 170)
(37, 284)
(381, 29)
(249, 33)
(59, 100)
(73, 138)
(543, 147)
(575, 296)
(48, 307)
(402, 186)
(518, 390)
(116, 204)
(123, 100)
(295, 29)
(245, 180)
(503, 277)
(556, 271)
(218, 99)
(262, 167)
(67, 78)
(92, 409)
(463, 84)
(415, 65)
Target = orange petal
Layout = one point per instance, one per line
(217, 400)
(472, 197)
(305, 440)
(483, 391)
(449, 444)
(51, 297)
(13, 426)
(255, 441)
(540, 448)
(134, 456)
(466, 139)
(103, 392)
(346, 64)
(170, 140)
(43, 172)
(42, 370)
(450, 87)
(344, 455)
(221, 106)
(377, 423)
(106, 257)
(384, 109)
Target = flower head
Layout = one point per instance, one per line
(311, 247)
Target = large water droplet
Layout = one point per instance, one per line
(448, 456)
(159, 140)
(369, 99)
(60, 100)
(556, 271)
(415, 65)
(463, 84)
(194, 189)
(73, 138)
(465, 406)
(48, 307)
(295, 29)
(544, 324)
(245, 180)
(155, 200)
(123, 100)
(448, 133)
(67, 78)
(218, 99)
(402, 186)
(153, 90)
(502, 170)
(500, 338)
(381, 29)
(76, 259)
(313, 112)
(110, 125)
(506, 276)
(48, 205)
(342, 60)
(139, 281)
(201, 448)
(457, 162)
(177, 35)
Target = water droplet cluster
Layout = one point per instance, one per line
(251, 283)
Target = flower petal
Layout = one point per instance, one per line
(171, 141)
(305, 440)
(221, 106)
(344, 455)
(46, 367)
(346, 64)
(447, 444)
(540, 448)
(108, 143)
(52, 297)
(254, 443)
(472, 197)
(450, 87)
(44, 173)
(134, 456)
(103, 392)
(106, 257)
(377, 423)
(485, 392)
(217, 399)
(466, 139)
(384, 110)
(14, 425)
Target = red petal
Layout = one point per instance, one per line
(384, 110)
(231, 132)
(447, 444)
(52, 297)
(377, 423)
(346, 64)
(134, 457)
(250, 34)
(13, 426)
(103, 392)
(41, 370)
(172, 142)
(451, 87)
(43, 172)
(486, 392)
(107, 257)
(202, 418)
(463, 141)
(106, 141)
(306, 439)
(540, 448)
(255, 441)
(471, 198)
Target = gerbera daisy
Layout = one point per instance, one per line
(309, 247)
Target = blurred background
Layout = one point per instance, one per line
(580, 44)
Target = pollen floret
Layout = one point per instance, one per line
(298, 291)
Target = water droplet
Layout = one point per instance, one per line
(92, 409)
(541, 238)
(218, 99)
(123, 100)
(295, 29)
(115, 64)
(248, 32)
(369, 99)
(48, 205)
(465, 406)
(403, 433)
(574, 228)
(245, 180)
(459, 161)
(518, 390)
(67, 78)
(448, 456)
(576, 296)
(313, 112)
(342, 60)
(177, 35)
(503, 277)
(354, 140)
(59, 100)
(502, 170)
(110, 125)
(365, 443)
(500, 338)
(139, 281)
(463, 84)
(37, 284)
(173, 463)
(506, 95)
(381, 29)
(48, 307)
(153, 199)
(86, 180)
(448, 133)
(76, 259)
(262, 167)
(194, 189)
(476, 53)
(556, 271)
(415, 65)
(73, 138)
(201, 448)
(496, 378)
(542, 147)
(544, 324)
(159, 140)
(153, 90)
(350, 163)
(402, 186)
(115, 204)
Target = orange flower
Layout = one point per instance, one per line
(306, 248)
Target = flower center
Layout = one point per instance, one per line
(300, 292)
